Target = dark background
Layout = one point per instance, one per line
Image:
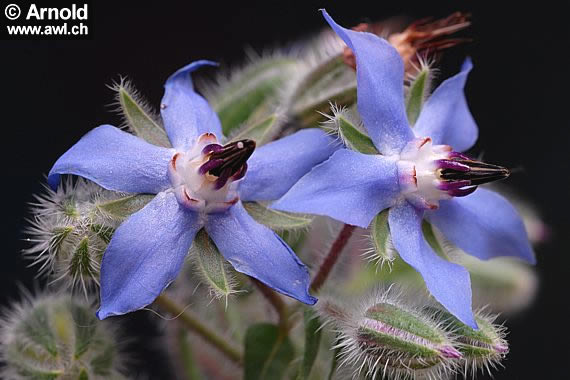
(53, 92)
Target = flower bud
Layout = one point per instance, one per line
(57, 337)
(481, 348)
(71, 228)
(390, 339)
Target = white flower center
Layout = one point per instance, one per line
(419, 172)
(429, 173)
(200, 191)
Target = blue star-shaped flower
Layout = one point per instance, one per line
(416, 176)
(199, 184)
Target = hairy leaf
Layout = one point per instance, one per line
(268, 352)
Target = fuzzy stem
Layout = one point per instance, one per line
(332, 257)
(275, 300)
(191, 322)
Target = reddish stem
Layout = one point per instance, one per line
(332, 257)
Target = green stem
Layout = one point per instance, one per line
(332, 257)
(192, 322)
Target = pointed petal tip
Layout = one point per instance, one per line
(189, 68)
(467, 64)
(530, 257)
(472, 323)
(310, 300)
(53, 180)
(102, 314)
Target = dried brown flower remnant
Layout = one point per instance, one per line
(421, 37)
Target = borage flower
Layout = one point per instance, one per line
(416, 175)
(199, 184)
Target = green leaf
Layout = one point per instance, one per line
(250, 89)
(312, 342)
(139, 119)
(380, 236)
(268, 352)
(352, 137)
(261, 132)
(277, 220)
(417, 94)
(211, 265)
(122, 208)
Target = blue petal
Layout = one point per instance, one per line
(275, 167)
(115, 160)
(449, 283)
(257, 251)
(145, 255)
(350, 187)
(380, 88)
(445, 117)
(483, 224)
(186, 114)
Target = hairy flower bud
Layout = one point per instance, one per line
(481, 349)
(70, 229)
(57, 337)
(388, 338)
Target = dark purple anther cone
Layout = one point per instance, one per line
(459, 169)
(227, 161)
(209, 165)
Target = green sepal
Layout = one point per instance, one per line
(211, 265)
(104, 233)
(261, 132)
(417, 94)
(249, 90)
(432, 240)
(391, 331)
(59, 236)
(139, 119)
(352, 137)
(81, 263)
(380, 237)
(121, 208)
(268, 352)
(313, 333)
(277, 220)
